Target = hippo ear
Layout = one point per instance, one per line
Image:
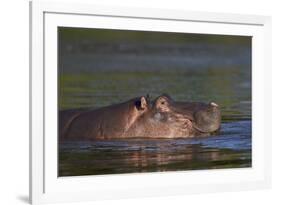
(141, 103)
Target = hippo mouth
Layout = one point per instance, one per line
(181, 120)
(204, 118)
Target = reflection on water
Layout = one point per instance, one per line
(99, 68)
(232, 148)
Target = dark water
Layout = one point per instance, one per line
(105, 70)
(232, 148)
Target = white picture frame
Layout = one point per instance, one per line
(46, 186)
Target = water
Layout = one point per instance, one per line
(230, 149)
(112, 70)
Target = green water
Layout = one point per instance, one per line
(108, 69)
(225, 86)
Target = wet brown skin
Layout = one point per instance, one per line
(138, 117)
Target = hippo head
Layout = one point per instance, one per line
(193, 117)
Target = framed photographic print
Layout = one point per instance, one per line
(130, 102)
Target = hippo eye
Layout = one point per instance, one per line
(163, 102)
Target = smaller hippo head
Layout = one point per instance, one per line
(203, 117)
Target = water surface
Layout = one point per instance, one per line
(232, 148)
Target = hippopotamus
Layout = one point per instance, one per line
(141, 118)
